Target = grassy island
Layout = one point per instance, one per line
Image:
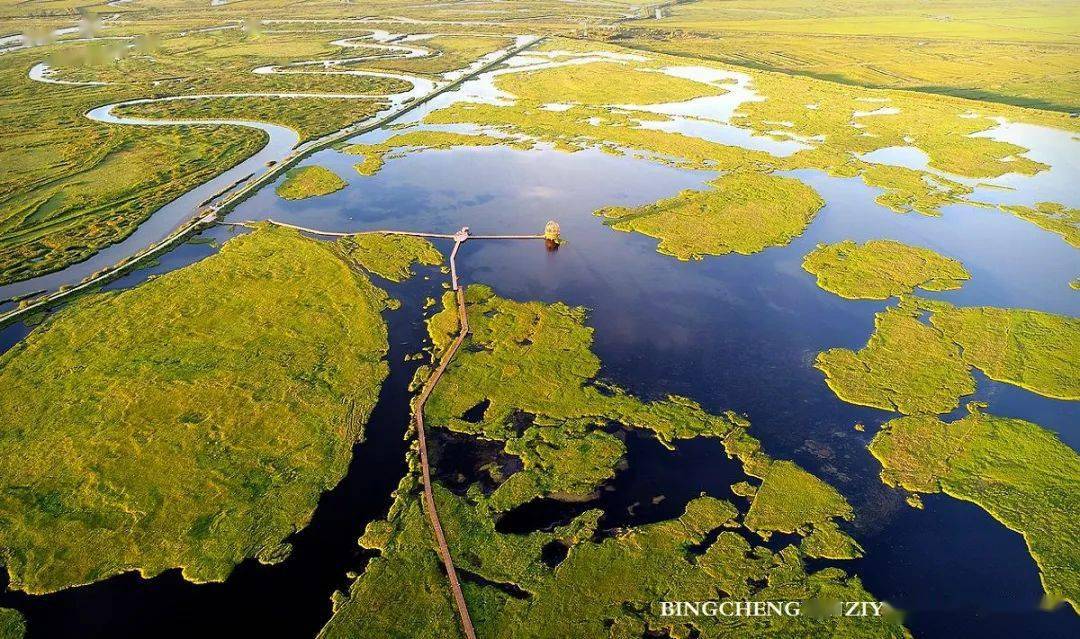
(1017, 471)
(880, 269)
(309, 181)
(744, 212)
(603, 84)
(906, 367)
(193, 421)
(913, 366)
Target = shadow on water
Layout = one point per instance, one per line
(291, 599)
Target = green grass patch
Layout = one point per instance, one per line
(12, 625)
(389, 256)
(309, 181)
(907, 366)
(603, 84)
(744, 212)
(1017, 471)
(880, 269)
(193, 421)
(311, 118)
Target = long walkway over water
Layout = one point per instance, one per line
(459, 238)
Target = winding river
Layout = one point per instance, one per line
(281, 141)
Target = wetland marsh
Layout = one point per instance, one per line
(738, 377)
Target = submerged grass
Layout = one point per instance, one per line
(194, 420)
(880, 269)
(1017, 471)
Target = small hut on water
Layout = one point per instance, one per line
(551, 235)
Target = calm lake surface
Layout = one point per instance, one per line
(733, 332)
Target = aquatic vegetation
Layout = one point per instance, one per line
(906, 366)
(12, 625)
(310, 117)
(581, 127)
(613, 584)
(413, 141)
(908, 190)
(1020, 473)
(880, 269)
(602, 84)
(1030, 349)
(789, 498)
(309, 181)
(194, 420)
(745, 212)
(1054, 217)
(913, 367)
(389, 256)
(532, 365)
(566, 459)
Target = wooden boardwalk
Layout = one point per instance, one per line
(431, 510)
(429, 496)
(459, 238)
